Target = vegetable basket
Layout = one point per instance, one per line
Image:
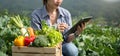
(37, 51)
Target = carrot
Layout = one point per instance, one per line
(30, 31)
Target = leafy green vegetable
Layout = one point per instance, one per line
(52, 34)
(41, 41)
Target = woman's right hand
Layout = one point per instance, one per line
(62, 26)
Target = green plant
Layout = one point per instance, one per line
(99, 41)
(8, 31)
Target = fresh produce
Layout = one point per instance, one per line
(19, 41)
(41, 41)
(28, 40)
(54, 37)
(30, 31)
(18, 22)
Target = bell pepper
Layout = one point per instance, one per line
(28, 40)
(19, 41)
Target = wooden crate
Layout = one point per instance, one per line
(37, 51)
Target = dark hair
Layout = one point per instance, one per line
(44, 2)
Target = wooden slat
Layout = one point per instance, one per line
(35, 49)
(29, 54)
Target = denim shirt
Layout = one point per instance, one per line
(41, 14)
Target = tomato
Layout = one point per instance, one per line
(19, 41)
(28, 40)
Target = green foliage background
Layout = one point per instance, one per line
(95, 40)
(108, 11)
(100, 38)
(99, 41)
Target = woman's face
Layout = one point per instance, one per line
(54, 3)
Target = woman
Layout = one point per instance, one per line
(54, 15)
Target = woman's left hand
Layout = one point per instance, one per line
(80, 28)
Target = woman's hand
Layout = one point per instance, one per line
(62, 26)
(80, 28)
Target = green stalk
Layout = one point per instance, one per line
(15, 21)
(18, 22)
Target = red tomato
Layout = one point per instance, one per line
(28, 40)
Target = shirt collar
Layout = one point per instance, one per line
(45, 13)
(60, 11)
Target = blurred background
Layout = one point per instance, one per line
(105, 12)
